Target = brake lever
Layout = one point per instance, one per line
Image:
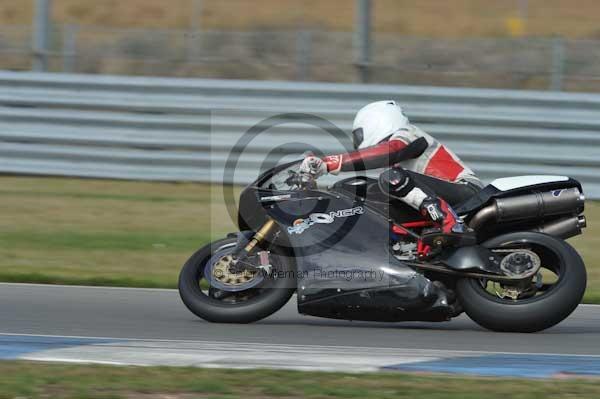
(301, 180)
(308, 181)
(293, 179)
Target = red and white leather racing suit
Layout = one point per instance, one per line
(411, 149)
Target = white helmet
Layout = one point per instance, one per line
(376, 122)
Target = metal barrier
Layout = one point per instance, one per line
(184, 129)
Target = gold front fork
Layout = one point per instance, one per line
(260, 235)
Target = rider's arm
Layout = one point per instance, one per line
(382, 155)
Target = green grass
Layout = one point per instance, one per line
(100, 232)
(38, 380)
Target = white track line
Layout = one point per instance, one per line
(94, 287)
(292, 347)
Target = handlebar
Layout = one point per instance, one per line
(303, 181)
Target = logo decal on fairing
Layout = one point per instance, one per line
(276, 197)
(300, 225)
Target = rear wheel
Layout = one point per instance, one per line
(550, 295)
(227, 301)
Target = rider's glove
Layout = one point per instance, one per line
(314, 166)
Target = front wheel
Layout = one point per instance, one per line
(537, 303)
(230, 302)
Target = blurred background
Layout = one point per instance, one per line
(520, 44)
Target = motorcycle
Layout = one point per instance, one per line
(351, 252)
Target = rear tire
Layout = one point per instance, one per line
(533, 314)
(254, 309)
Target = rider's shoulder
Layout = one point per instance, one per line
(408, 134)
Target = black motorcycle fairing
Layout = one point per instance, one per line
(367, 189)
(251, 214)
(340, 241)
(344, 266)
(356, 186)
(298, 205)
(385, 304)
(255, 198)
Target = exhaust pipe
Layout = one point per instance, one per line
(564, 228)
(530, 206)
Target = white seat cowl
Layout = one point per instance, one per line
(511, 183)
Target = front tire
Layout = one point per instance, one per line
(538, 312)
(269, 300)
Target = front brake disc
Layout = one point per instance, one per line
(217, 272)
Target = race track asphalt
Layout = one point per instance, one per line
(160, 314)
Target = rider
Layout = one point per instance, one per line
(384, 137)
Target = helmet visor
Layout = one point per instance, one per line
(357, 137)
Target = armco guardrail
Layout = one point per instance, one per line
(184, 129)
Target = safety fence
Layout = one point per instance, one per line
(185, 129)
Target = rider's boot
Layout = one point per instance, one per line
(449, 229)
